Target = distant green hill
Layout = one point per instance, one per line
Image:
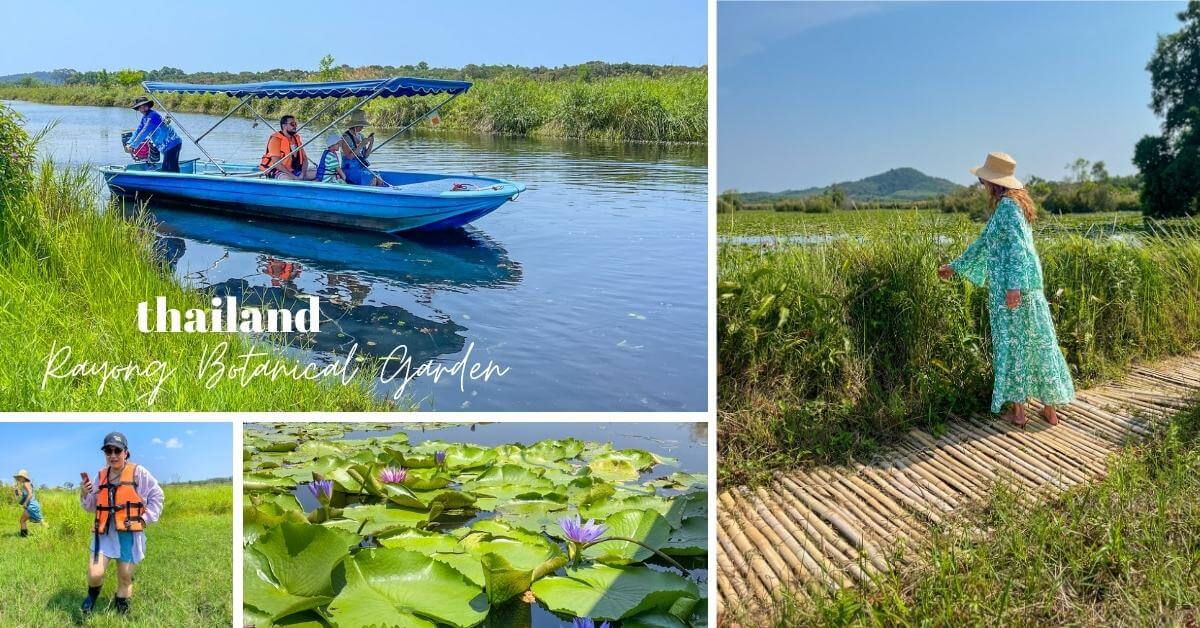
(897, 184)
(49, 78)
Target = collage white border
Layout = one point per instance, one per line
(239, 419)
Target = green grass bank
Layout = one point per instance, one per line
(185, 580)
(72, 272)
(620, 108)
(826, 351)
(1121, 552)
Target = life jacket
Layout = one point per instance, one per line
(118, 504)
(278, 145)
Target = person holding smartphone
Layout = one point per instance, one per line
(125, 500)
(355, 165)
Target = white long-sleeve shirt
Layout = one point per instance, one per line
(152, 496)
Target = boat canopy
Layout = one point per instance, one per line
(379, 88)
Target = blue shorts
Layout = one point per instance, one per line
(357, 175)
(126, 541)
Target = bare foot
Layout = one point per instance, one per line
(1050, 415)
(1017, 415)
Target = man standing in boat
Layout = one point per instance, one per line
(284, 158)
(155, 130)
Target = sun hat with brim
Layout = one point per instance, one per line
(358, 118)
(141, 100)
(331, 138)
(22, 474)
(998, 168)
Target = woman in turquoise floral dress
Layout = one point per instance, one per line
(1026, 358)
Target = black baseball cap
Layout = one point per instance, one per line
(115, 439)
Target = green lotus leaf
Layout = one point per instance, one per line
(690, 539)
(673, 508)
(553, 450)
(427, 543)
(317, 449)
(446, 499)
(491, 497)
(338, 470)
(407, 588)
(287, 570)
(654, 619)
(458, 455)
(380, 518)
(258, 520)
(646, 526)
(400, 495)
(279, 446)
(426, 479)
(510, 474)
(494, 527)
(533, 516)
(603, 592)
(504, 581)
(264, 481)
(694, 504)
(590, 490)
(613, 469)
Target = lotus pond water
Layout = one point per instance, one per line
(355, 525)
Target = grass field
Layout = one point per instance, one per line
(827, 350)
(185, 579)
(868, 221)
(1122, 552)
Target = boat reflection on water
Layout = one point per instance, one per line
(356, 275)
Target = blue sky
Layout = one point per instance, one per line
(56, 452)
(814, 93)
(225, 35)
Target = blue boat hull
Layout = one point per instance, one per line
(415, 202)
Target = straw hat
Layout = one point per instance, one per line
(998, 168)
(358, 118)
(23, 474)
(141, 100)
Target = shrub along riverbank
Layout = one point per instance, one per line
(620, 108)
(72, 272)
(827, 350)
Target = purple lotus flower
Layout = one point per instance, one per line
(393, 475)
(586, 622)
(321, 489)
(579, 532)
(439, 457)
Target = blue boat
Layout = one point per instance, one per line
(410, 202)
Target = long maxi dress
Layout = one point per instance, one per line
(1026, 358)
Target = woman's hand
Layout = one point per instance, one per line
(945, 272)
(1012, 299)
(85, 487)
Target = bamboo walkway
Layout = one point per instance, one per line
(831, 527)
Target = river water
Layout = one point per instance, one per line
(589, 289)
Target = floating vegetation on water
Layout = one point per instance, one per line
(352, 531)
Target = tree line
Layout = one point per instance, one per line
(592, 70)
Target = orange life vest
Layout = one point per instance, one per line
(278, 145)
(118, 504)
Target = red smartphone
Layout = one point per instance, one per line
(84, 477)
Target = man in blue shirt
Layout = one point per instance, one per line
(153, 129)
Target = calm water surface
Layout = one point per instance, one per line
(590, 288)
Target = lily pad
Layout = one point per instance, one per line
(645, 526)
(603, 592)
(287, 570)
(408, 588)
(690, 539)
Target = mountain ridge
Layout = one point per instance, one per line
(897, 184)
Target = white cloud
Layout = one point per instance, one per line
(170, 443)
(189, 432)
(156, 441)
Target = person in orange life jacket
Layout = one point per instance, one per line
(295, 166)
(125, 499)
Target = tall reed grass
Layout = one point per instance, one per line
(622, 108)
(826, 350)
(72, 271)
